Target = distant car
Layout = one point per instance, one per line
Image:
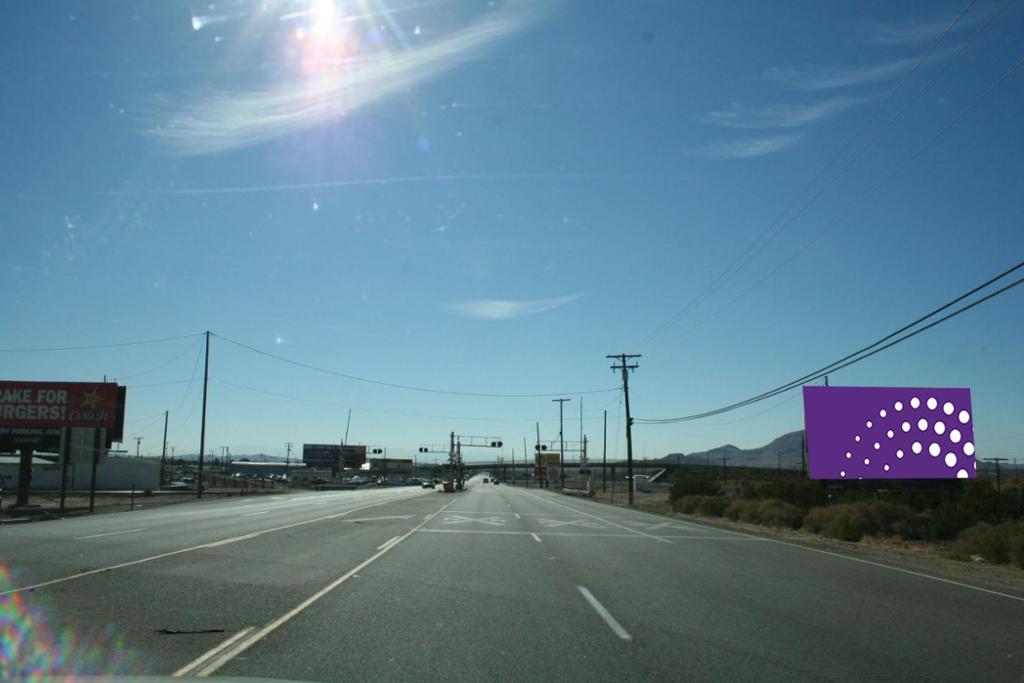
(494, 481)
(427, 484)
(486, 480)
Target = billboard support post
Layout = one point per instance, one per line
(96, 445)
(65, 456)
(24, 475)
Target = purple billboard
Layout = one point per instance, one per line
(889, 433)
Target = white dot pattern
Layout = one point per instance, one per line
(899, 456)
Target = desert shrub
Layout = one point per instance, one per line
(768, 512)
(853, 521)
(1015, 543)
(694, 485)
(713, 506)
(988, 541)
(780, 514)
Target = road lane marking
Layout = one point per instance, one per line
(385, 544)
(172, 553)
(612, 622)
(253, 514)
(585, 523)
(536, 537)
(587, 514)
(109, 533)
(459, 519)
(184, 671)
(899, 569)
(207, 664)
(517, 515)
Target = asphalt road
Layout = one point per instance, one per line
(494, 583)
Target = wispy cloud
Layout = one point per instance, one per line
(499, 309)
(781, 115)
(828, 78)
(748, 148)
(912, 33)
(233, 119)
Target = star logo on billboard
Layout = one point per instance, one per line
(90, 399)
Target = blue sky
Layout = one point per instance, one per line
(490, 197)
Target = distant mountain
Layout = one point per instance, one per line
(789, 445)
(237, 457)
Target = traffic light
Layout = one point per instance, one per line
(423, 449)
(377, 451)
(495, 444)
(540, 447)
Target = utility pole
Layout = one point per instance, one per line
(202, 429)
(725, 477)
(138, 443)
(999, 487)
(780, 462)
(513, 466)
(163, 453)
(561, 438)
(625, 367)
(803, 455)
(604, 456)
(288, 459)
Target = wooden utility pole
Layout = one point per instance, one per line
(625, 367)
(202, 429)
(163, 454)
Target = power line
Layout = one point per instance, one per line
(162, 365)
(395, 385)
(98, 346)
(384, 411)
(777, 225)
(895, 170)
(857, 356)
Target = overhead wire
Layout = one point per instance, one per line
(395, 385)
(777, 225)
(161, 366)
(895, 170)
(390, 412)
(95, 347)
(882, 344)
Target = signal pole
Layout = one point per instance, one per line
(138, 442)
(288, 459)
(561, 438)
(625, 367)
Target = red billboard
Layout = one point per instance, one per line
(59, 404)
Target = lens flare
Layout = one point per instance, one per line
(34, 646)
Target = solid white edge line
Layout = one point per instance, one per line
(253, 514)
(536, 537)
(900, 569)
(517, 515)
(226, 656)
(109, 533)
(172, 553)
(187, 669)
(612, 622)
